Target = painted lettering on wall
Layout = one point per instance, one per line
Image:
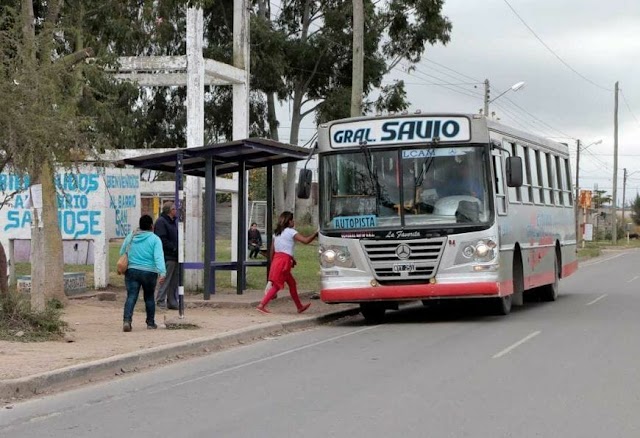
(122, 206)
(77, 216)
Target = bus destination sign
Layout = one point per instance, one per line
(404, 130)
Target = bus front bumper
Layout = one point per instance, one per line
(415, 292)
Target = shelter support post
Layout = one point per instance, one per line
(209, 229)
(269, 224)
(241, 283)
(180, 223)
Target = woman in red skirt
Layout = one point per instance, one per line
(281, 254)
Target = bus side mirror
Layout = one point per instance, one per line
(304, 183)
(514, 171)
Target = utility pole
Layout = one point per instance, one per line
(614, 232)
(486, 97)
(357, 76)
(624, 189)
(577, 198)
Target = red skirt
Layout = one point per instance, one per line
(280, 270)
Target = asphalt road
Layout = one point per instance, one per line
(563, 369)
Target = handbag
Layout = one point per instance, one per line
(123, 261)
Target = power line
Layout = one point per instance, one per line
(554, 53)
(629, 108)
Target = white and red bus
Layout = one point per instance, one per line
(440, 206)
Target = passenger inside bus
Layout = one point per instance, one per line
(461, 180)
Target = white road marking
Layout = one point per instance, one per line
(595, 262)
(517, 344)
(596, 300)
(633, 279)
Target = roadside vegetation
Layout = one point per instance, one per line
(19, 322)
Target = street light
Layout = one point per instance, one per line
(515, 87)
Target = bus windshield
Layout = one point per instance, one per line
(412, 187)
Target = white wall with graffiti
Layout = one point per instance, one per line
(95, 205)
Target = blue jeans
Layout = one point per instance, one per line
(134, 279)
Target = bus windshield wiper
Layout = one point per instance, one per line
(426, 165)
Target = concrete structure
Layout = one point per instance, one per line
(95, 205)
(195, 72)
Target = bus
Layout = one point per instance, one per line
(441, 206)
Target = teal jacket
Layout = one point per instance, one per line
(145, 253)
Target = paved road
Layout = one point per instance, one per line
(563, 369)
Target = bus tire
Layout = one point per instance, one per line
(373, 312)
(549, 292)
(502, 305)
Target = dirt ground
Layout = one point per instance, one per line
(96, 327)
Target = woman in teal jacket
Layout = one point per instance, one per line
(146, 262)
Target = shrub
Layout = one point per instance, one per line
(17, 316)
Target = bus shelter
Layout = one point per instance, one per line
(216, 160)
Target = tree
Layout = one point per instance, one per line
(42, 124)
(635, 210)
(315, 69)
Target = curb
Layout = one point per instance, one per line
(64, 378)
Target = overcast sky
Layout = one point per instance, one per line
(569, 53)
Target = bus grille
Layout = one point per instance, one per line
(424, 258)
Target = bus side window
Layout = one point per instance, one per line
(567, 183)
(532, 167)
(527, 197)
(515, 195)
(501, 198)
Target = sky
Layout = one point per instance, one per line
(569, 53)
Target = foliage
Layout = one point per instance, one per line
(635, 210)
(17, 316)
(600, 198)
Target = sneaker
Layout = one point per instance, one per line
(161, 305)
(263, 310)
(152, 326)
(303, 308)
(126, 327)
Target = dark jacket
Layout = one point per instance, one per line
(254, 238)
(167, 230)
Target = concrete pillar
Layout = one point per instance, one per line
(195, 137)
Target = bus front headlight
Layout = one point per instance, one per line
(335, 256)
(483, 250)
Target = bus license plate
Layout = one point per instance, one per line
(404, 267)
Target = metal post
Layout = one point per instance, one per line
(180, 223)
(269, 225)
(242, 232)
(209, 224)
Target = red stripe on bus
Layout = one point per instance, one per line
(408, 292)
(569, 269)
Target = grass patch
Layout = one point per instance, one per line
(17, 317)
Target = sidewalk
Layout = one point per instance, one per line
(97, 349)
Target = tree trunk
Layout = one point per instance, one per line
(278, 184)
(4, 280)
(47, 261)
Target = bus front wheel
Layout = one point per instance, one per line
(502, 305)
(373, 312)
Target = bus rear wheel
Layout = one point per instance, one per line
(373, 312)
(549, 292)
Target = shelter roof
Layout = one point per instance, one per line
(255, 152)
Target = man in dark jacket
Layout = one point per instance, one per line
(167, 230)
